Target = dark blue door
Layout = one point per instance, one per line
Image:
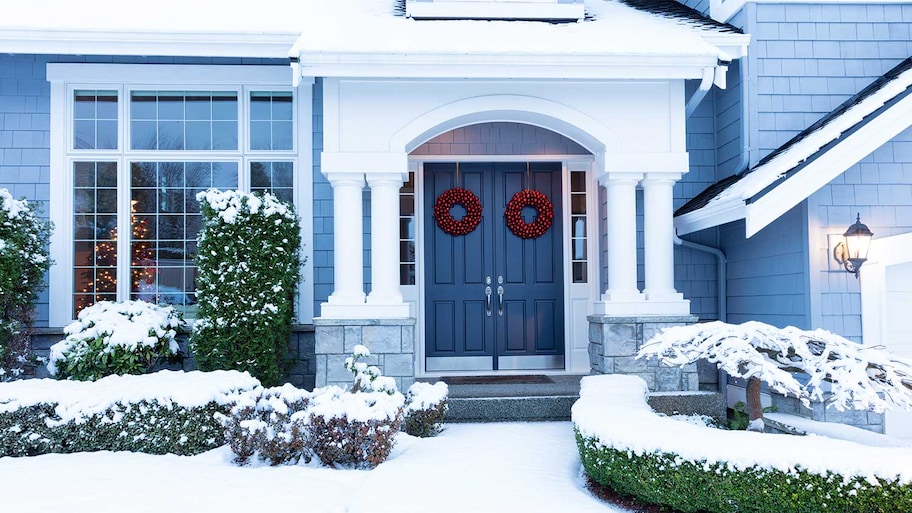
(494, 300)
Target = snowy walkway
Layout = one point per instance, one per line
(503, 468)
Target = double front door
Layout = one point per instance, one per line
(494, 301)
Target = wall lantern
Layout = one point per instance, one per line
(853, 251)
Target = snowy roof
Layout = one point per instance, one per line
(804, 155)
(164, 27)
(377, 31)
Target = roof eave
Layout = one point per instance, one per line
(504, 66)
(713, 214)
(178, 44)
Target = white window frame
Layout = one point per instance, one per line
(124, 78)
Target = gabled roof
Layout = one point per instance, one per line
(808, 161)
(359, 36)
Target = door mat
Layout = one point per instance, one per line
(497, 380)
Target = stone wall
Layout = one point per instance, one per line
(615, 341)
(858, 418)
(301, 373)
(390, 341)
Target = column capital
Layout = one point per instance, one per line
(345, 178)
(395, 179)
(620, 178)
(662, 177)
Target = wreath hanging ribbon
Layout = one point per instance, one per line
(467, 200)
(543, 218)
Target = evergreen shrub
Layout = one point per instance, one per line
(248, 260)
(269, 424)
(425, 408)
(129, 337)
(23, 262)
(354, 429)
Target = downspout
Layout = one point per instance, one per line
(722, 268)
(295, 71)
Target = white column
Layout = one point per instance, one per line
(658, 238)
(658, 210)
(348, 260)
(385, 240)
(622, 261)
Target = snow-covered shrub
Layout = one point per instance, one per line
(248, 262)
(158, 413)
(129, 337)
(425, 408)
(356, 430)
(23, 262)
(624, 445)
(270, 424)
(368, 378)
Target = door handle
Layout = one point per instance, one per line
(488, 303)
(500, 306)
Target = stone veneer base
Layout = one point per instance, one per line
(615, 341)
(390, 341)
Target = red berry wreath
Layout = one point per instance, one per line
(457, 196)
(544, 214)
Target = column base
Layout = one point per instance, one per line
(363, 311)
(642, 307)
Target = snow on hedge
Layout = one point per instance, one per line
(129, 324)
(336, 402)
(613, 410)
(422, 395)
(78, 400)
(229, 203)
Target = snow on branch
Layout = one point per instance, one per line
(856, 376)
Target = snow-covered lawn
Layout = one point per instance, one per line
(498, 467)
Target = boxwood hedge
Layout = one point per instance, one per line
(686, 486)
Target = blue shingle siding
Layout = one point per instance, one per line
(25, 137)
(767, 274)
(695, 272)
(804, 61)
(500, 139)
(322, 209)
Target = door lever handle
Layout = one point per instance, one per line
(500, 305)
(488, 303)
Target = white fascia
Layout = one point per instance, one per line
(713, 214)
(517, 66)
(832, 163)
(178, 44)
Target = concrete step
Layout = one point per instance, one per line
(505, 398)
(509, 409)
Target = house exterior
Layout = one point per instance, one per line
(619, 118)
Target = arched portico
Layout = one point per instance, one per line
(370, 127)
